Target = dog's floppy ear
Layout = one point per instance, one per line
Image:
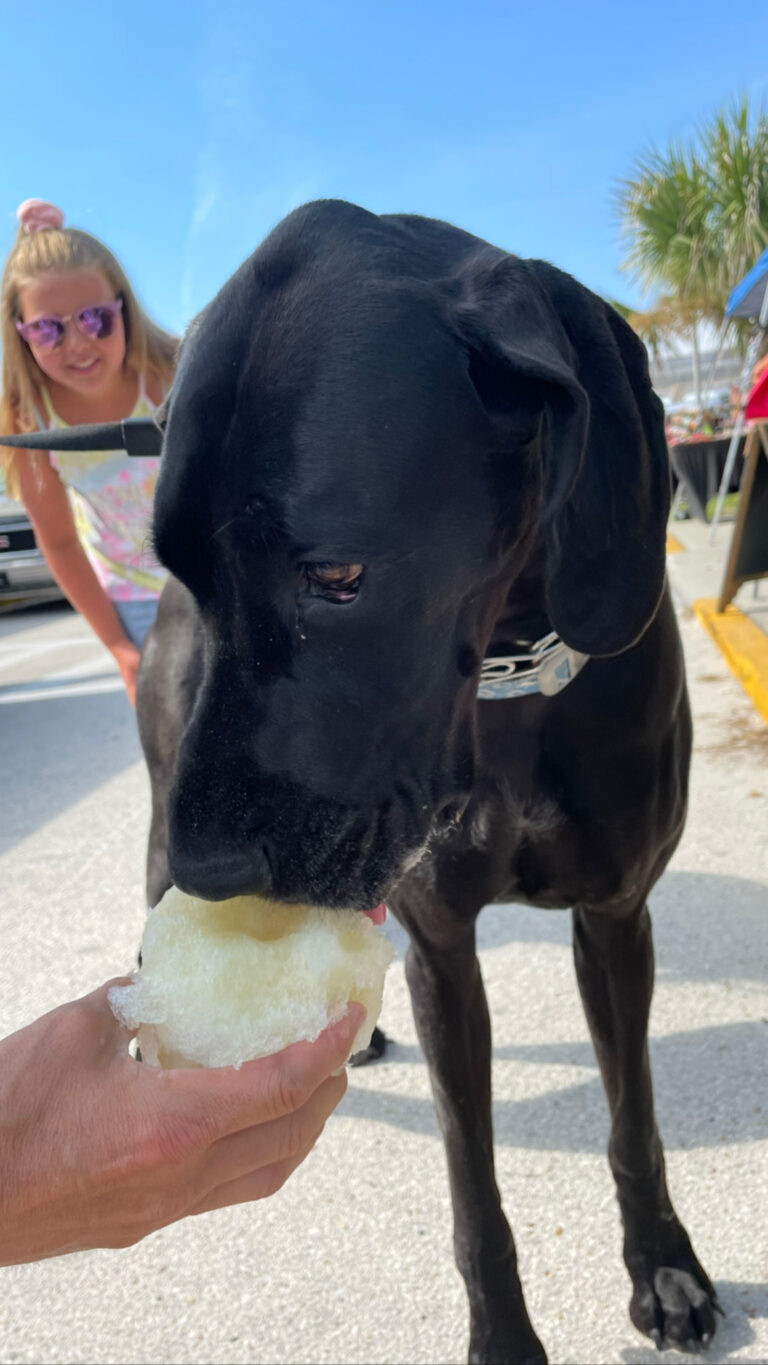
(605, 475)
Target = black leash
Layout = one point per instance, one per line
(136, 436)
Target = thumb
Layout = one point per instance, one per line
(269, 1087)
(105, 1020)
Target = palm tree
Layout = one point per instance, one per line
(665, 214)
(695, 218)
(735, 145)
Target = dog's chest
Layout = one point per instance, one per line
(534, 848)
(537, 820)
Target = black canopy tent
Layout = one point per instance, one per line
(749, 299)
(748, 553)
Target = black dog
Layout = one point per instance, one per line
(392, 452)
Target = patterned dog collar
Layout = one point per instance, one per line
(547, 666)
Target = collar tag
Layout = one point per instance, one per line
(547, 667)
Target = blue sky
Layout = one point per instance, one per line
(181, 133)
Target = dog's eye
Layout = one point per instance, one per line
(334, 582)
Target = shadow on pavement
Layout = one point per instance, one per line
(709, 1082)
(54, 752)
(705, 927)
(709, 1087)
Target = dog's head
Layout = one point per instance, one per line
(375, 425)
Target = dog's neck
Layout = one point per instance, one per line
(525, 655)
(523, 618)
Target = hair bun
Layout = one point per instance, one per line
(35, 215)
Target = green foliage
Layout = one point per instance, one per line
(736, 145)
(729, 509)
(694, 219)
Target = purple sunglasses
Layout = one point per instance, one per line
(96, 321)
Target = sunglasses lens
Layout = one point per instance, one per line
(43, 332)
(97, 322)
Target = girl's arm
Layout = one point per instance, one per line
(47, 504)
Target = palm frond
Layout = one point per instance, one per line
(693, 217)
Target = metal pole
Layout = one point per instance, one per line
(713, 367)
(730, 460)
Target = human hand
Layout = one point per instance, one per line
(99, 1150)
(127, 657)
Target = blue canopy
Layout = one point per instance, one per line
(746, 299)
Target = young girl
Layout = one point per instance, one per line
(78, 348)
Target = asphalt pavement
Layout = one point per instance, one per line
(352, 1260)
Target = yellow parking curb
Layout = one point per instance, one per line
(673, 545)
(742, 644)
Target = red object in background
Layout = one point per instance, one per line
(757, 402)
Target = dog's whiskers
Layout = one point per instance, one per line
(223, 528)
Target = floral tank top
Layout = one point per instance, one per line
(111, 497)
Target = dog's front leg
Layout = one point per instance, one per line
(672, 1299)
(451, 1016)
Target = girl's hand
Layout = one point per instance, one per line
(99, 1150)
(127, 657)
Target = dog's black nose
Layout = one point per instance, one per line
(220, 878)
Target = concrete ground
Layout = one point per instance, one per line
(697, 565)
(352, 1261)
(699, 571)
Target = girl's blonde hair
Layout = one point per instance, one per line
(149, 351)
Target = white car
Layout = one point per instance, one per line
(24, 575)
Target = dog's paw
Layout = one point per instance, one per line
(676, 1308)
(375, 1049)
